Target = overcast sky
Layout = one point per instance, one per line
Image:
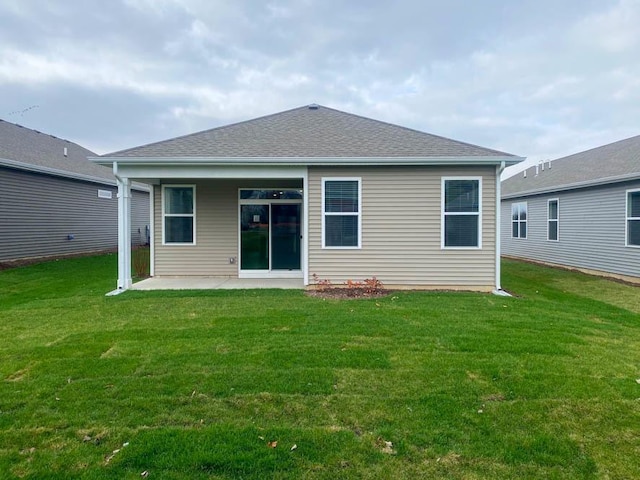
(536, 78)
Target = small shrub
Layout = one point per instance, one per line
(321, 283)
(354, 284)
(372, 285)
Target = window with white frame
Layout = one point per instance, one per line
(461, 212)
(633, 218)
(178, 214)
(341, 210)
(519, 220)
(553, 218)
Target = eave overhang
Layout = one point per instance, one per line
(573, 186)
(305, 161)
(27, 167)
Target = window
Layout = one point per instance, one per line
(461, 208)
(519, 220)
(178, 214)
(633, 218)
(341, 208)
(553, 215)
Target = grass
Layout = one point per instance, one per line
(197, 384)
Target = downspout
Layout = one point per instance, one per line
(124, 233)
(498, 228)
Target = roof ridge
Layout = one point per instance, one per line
(607, 145)
(417, 131)
(303, 107)
(45, 134)
(206, 130)
(609, 163)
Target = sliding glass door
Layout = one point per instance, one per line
(270, 231)
(254, 237)
(285, 236)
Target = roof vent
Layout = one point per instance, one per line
(65, 151)
(314, 106)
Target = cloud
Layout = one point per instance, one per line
(536, 78)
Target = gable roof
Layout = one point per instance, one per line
(27, 149)
(615, 162)
(312, 131)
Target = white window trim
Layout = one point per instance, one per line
(164, 215)
(358, 213)
(627, 218)
(549, 220)
(443, 214)
(526, 221)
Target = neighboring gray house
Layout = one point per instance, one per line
(55, 202)
(314, 190)
(580, 211)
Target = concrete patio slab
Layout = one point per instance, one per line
(212, 283)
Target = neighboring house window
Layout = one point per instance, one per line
(178, 214)
(341, 209)
(633, 218)
(461, 212)
(519, 220)
(553, 215)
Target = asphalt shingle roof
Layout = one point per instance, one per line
(30, 147)
(614, 162)
(310, 131)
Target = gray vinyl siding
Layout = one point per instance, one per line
(401, 230)
(591, 230)
(216, 221)
(39, 212)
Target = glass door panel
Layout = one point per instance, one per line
(285, 236)
(254, 237)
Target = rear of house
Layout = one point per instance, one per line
(318, 193)
(55, 202)
(580, 211)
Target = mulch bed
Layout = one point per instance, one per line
(346, 293)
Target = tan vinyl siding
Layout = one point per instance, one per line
(401, 232)
(216, 228)
(39, 212)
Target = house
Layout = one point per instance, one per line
(580, 211)
(316, 191)
(55, 202)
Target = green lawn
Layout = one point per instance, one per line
(198, 384)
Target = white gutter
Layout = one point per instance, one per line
(28, 167)
(309, 161)
(574, 186)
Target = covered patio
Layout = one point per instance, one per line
(215, 283)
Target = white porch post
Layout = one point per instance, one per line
(498, 226)
(124, 233)
(305, 227)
